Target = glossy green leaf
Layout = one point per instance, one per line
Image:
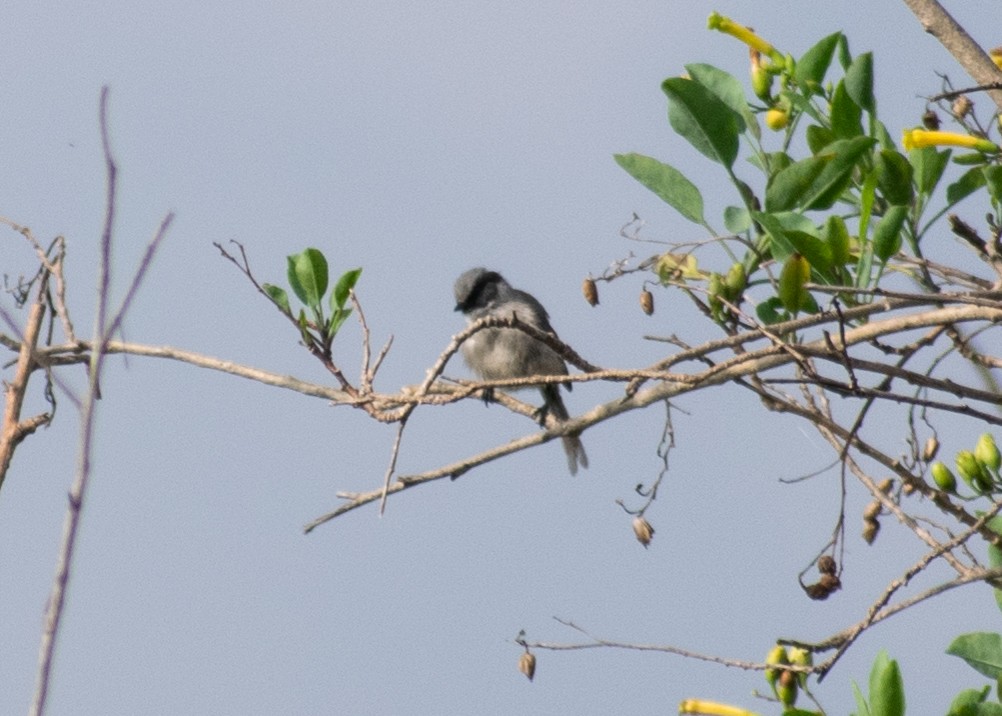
(929, 164)
(859, 81)
(887, 690)
(846, 115)
(278, 296)
(969, 182)
(981, 650)
(702, 119)
(343, 286)
(813, 65)
(728, 89)
(836, 235)
(667, 182)
(817, 182)
(894, 177)
(887, 232)
(308, 276)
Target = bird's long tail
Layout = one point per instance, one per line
(573, 447)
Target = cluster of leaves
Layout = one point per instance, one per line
(835, 209)
(873, 198)
(308, 277)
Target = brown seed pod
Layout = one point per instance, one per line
(590, 291)
(930, 449)
(872, 511)
(527, 664)
(647, 301)
(826, 564)
(643, 531)
(962, 106)
(870, 530)
(885, 485)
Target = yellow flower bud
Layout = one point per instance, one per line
(777, 119)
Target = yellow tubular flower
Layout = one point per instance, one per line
(996, 54)
(710, 708)
(716, 21)
(918, 138)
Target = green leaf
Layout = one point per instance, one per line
(844, 56)
(894, 177)
(728, 89)
(819, 137)
(993, 179)
(308, 276)
(667, 182)
(344, 284)
(862, 708)
(929, 164)
(995, 554)
(887, 233)
(811, 68)
(770, 311)
(981, 650)
(859, 82)
(779, 225)
(817, 182)
(971, 702)
(278, 296)
(887, 690)
(846, 114)
(971, 180)
(737, 220)
(702, 119)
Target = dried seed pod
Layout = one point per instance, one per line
(830, 582)
(590, 291)
(643, 530)
(885, 485)
(930, 449)
(647, 301)
(962, 106)
(870, 530)
(527, 664)
(871, 511)
(826, 564)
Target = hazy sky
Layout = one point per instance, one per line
(415, 140)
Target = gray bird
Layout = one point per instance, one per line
(502, 353)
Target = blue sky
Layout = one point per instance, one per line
(416, 141)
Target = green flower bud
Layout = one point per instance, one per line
(972, 472)
(988, 453)
(801, 657)
(943, 477)
(736, 281)
(777, 655)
